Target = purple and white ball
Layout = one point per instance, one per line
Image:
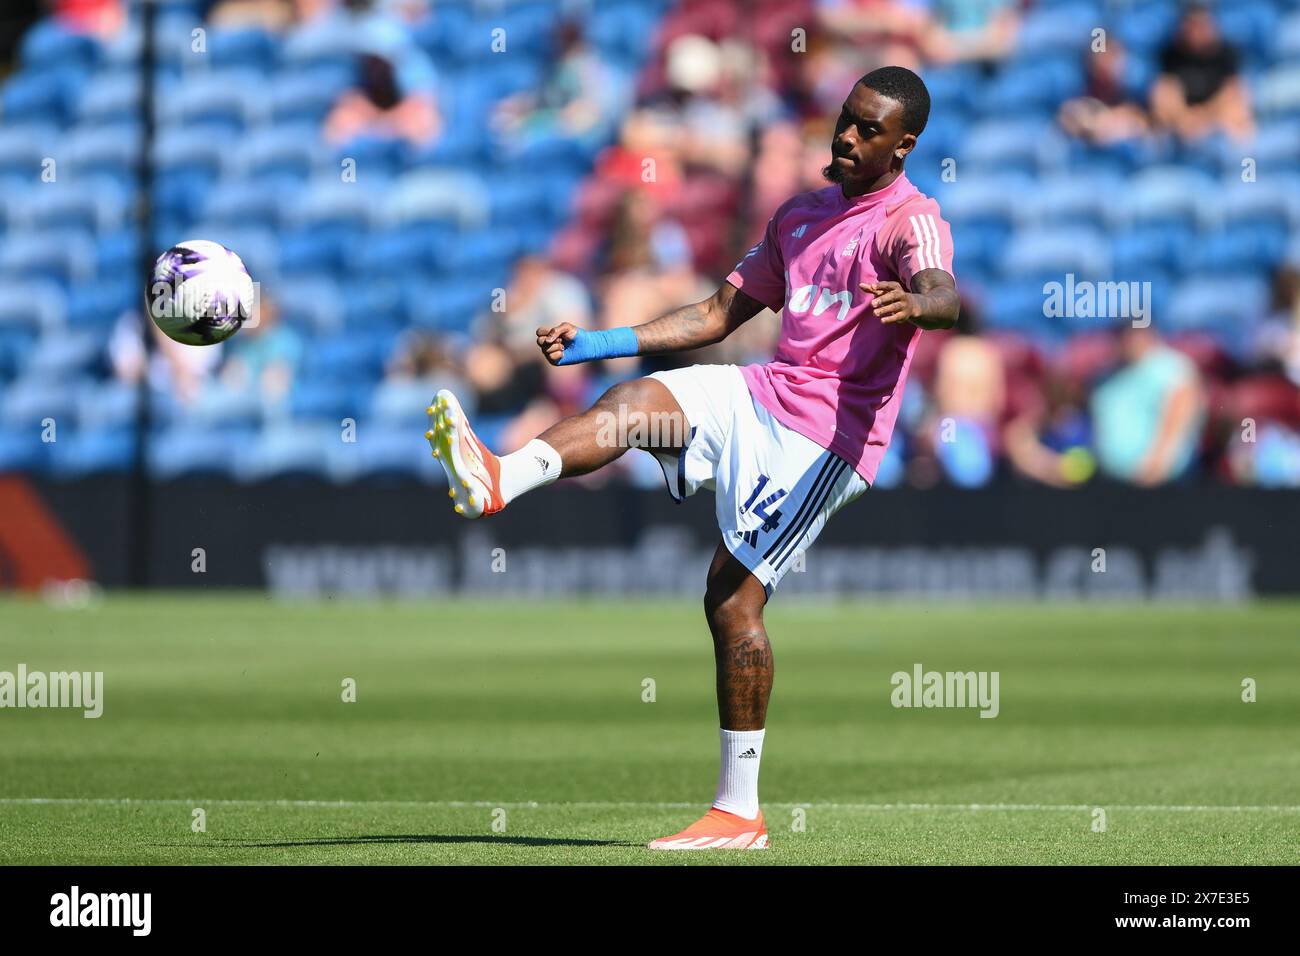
(200, 293)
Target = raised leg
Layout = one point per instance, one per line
(640, 413)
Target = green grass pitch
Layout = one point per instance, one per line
(516, 733)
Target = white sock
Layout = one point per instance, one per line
(532, 466)
(738, 780)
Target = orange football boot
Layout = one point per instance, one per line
(717, 830)
(473, 472)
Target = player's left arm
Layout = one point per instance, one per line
(932, 302)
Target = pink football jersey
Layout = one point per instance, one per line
(838, 373)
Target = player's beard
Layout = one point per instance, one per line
(833, 173)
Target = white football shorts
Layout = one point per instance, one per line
(774, 488)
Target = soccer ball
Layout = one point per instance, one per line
(200, 293)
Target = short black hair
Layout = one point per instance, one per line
(901, 84)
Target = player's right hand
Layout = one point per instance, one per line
(553, 340)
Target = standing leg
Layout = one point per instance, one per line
(733, 604)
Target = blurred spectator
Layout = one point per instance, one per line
(581, 97)
(538, 295)
(515, 389)
(420, 365)
(1199, 90)
(181, 373)
(970, 30)
(1149, 414)
(1108, 111)
(101, 18)
(642, 237)
(887, 31)
(262, 358)
(394, 92)
(969, 397)
(271, 15)
(1050, 441)
(1278, 339)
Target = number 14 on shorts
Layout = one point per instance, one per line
(771, 520)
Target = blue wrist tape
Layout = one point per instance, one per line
(588, 346)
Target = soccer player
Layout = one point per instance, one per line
(860, 268)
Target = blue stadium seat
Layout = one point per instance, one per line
(1286, 41)
(449, 306)
(186, 452)
(324, 41)
(16, 343)
(373, 159)
(330, 202)
(393, 254)
(1199, 304)
(1238, 248)
(109, 404)
(48, 95)
(82, 203)
(1062, 30)
(25, 146)
(1251, 27)
(1008, 147)
(249, 203)
(328, 401)
(1143, 27)
(114, 96)
(242, 47)
(618, 28)
(1053, 252)
(280, 152)
(32, 304)
(1032, 86)
(313, 303)
(111, 151)
(1273, 199)
(89, 452)
(382, 451)
(1018, 305)
(192, 149)
(1278, 93)
(370, 304)
(224, 99)
(300, 449)
(64, 354)
(400, 403)
(953, 89)
(306, 96)
(1069, 199)
(223, 409)
(478, 253)
(451, 196)
(32, 401)
(62, 257)
(345, 358)
(1167, 195)
(49, 44)
(21, 449)
(1275, 151)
